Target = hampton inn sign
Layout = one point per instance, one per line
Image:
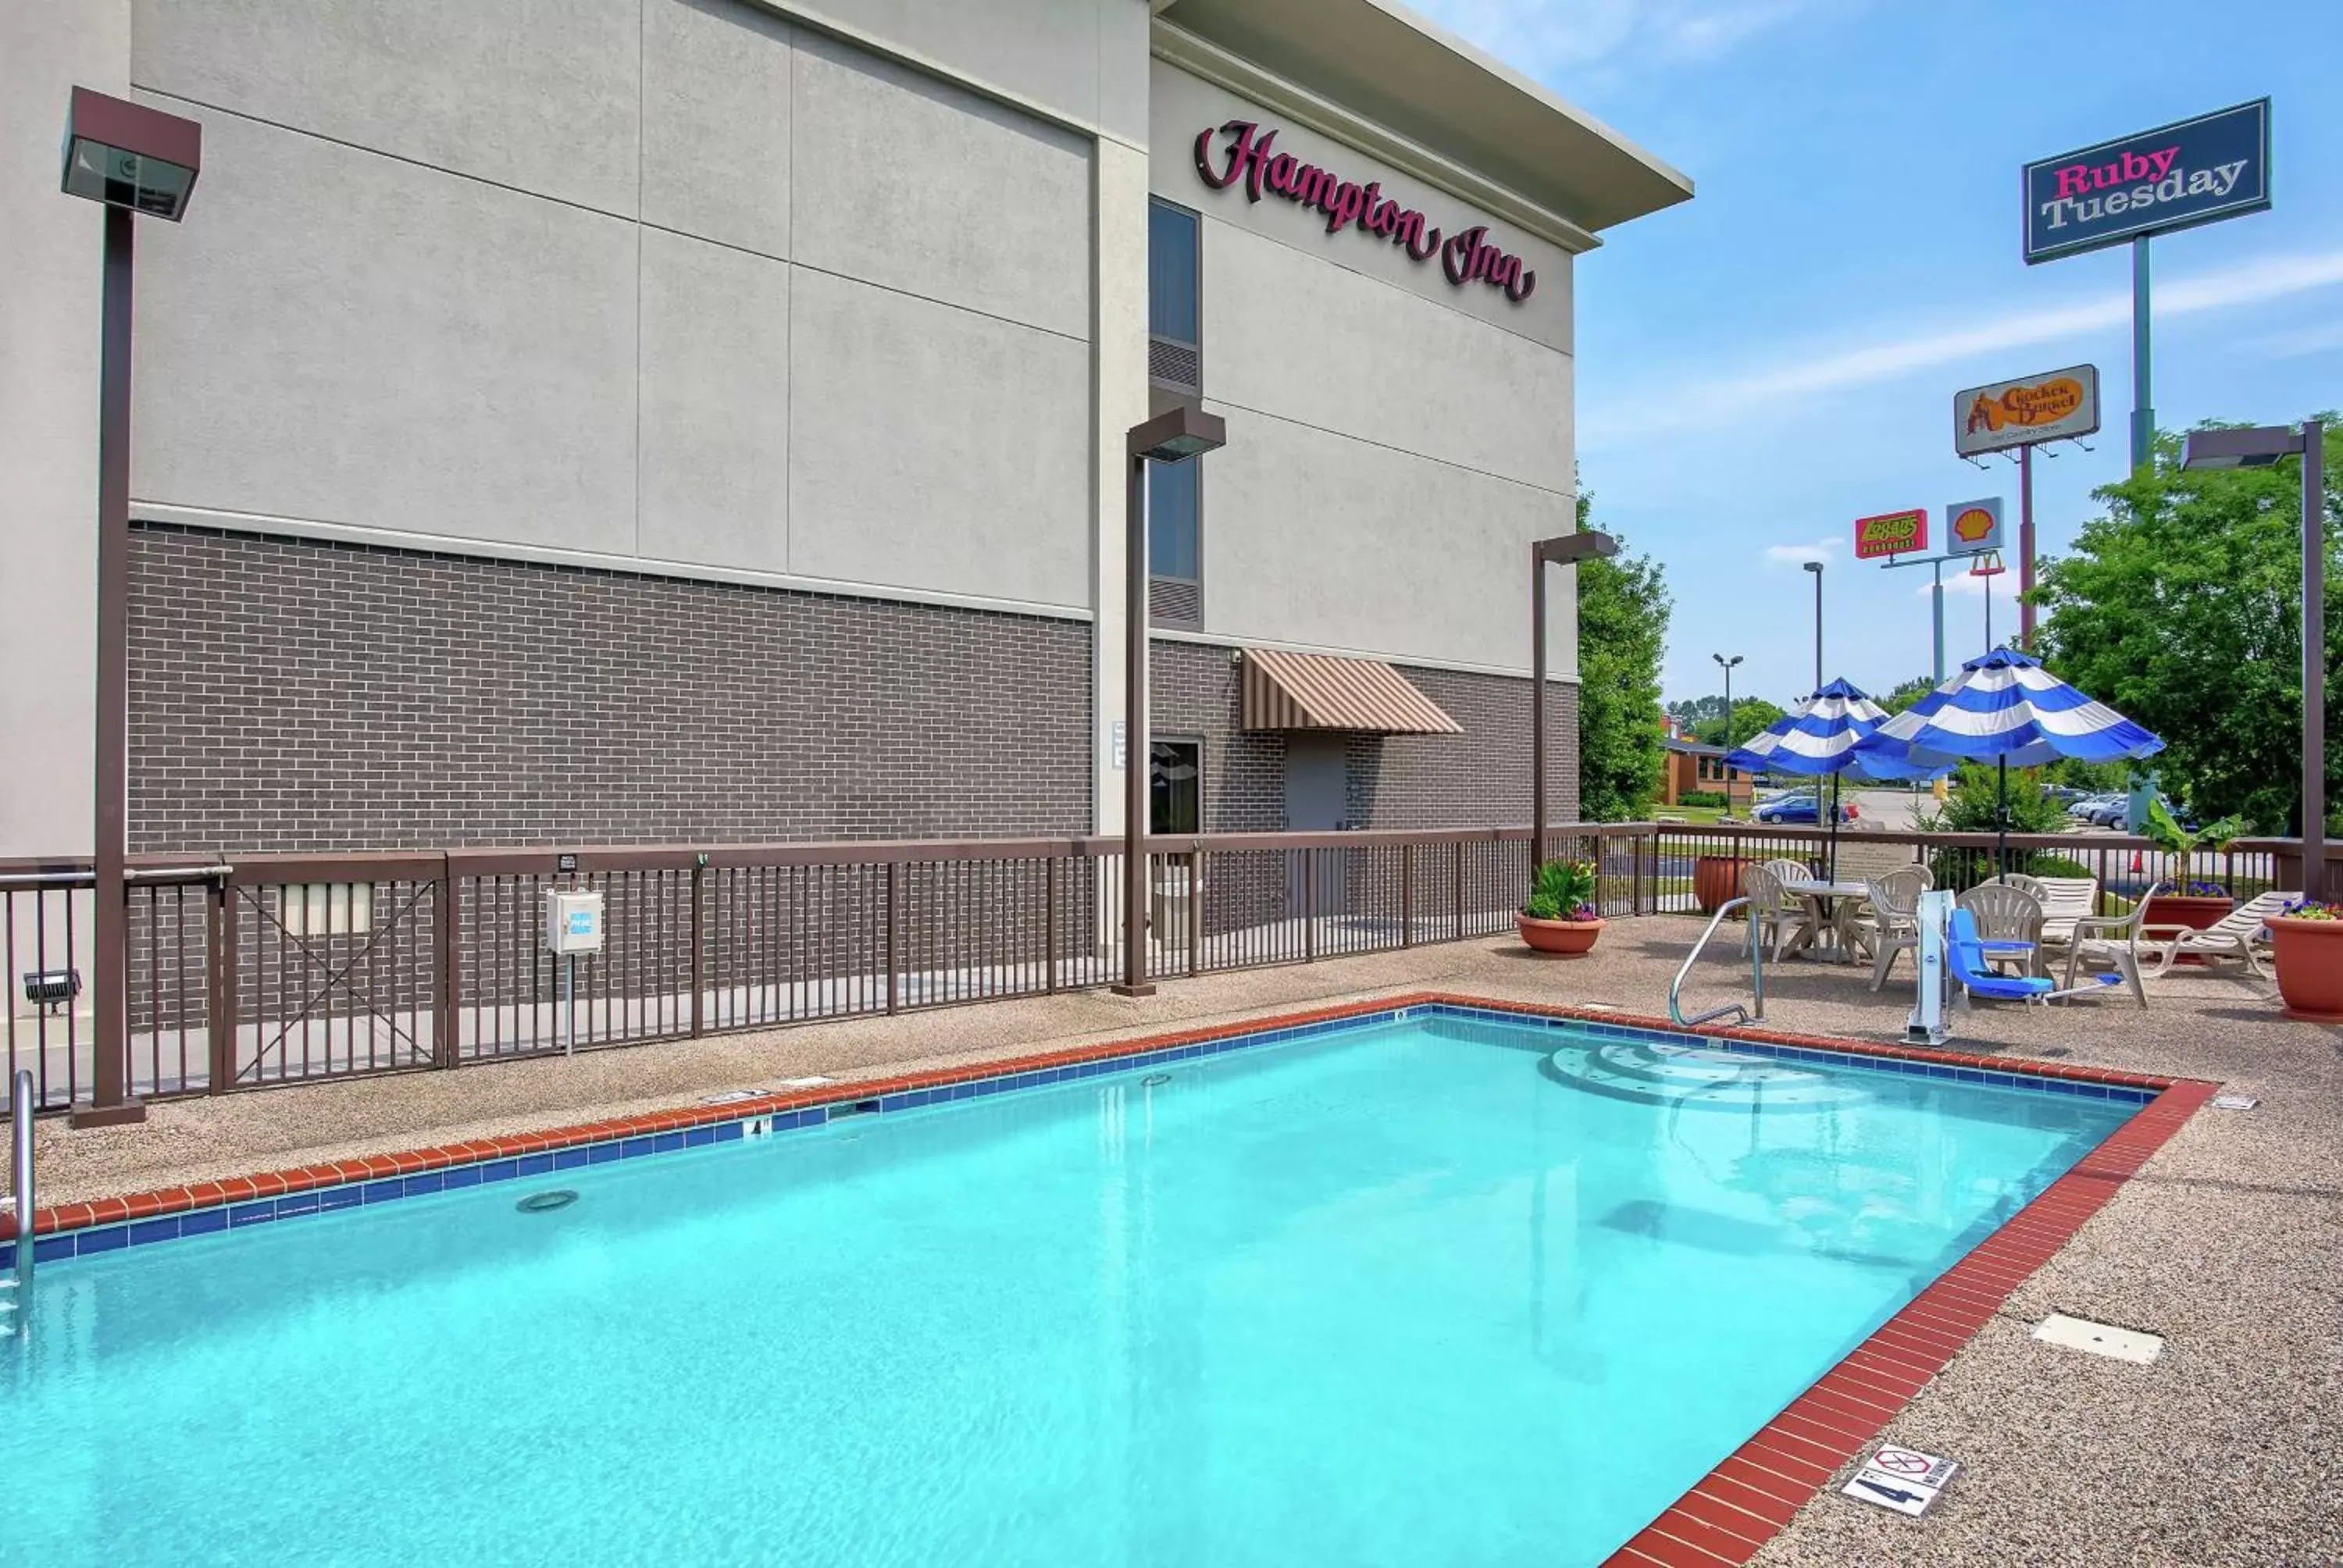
(1247, 154)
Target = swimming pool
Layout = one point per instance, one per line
(1441, 1287)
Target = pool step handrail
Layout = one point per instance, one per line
(1739, 1013)
(20, 1148)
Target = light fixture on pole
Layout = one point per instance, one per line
(2259, 447)
(131, 159)
(1172, 436)
(1564, 549)
(1816, 567)
(1727, 665)
(1987, 566)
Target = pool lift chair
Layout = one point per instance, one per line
(1951, 949)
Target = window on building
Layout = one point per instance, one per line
(1172, 507)
(1175, 786)
(1174, 299)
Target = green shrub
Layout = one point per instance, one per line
(1702, 798)
(1564, 890)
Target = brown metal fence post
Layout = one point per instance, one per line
(219, 985)
(1050, 892)
(445, 991)
(1195, 911)
(894, 929)
(699, 971)
(1407, 895)
(1309, 906)
(1456, 855)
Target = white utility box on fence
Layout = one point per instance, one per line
(573, 921)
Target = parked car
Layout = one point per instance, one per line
(2083, 806)
(2109, 812)
(1792, 810)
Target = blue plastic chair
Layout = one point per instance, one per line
(1966, 956)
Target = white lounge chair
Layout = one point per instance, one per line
(2237, 935)
(2112, 941)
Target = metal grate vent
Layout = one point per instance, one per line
(1174, 601)
(1175, 364)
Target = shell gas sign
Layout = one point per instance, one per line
(1973, 527)
(2057, 406)
(1891, 534)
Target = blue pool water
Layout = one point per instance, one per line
(1433, 1291)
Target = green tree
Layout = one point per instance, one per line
(1622, 631)
(1973, 805)
(2181, 608)
(1908, 693)
(1750, 715)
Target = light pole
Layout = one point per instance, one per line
(2259, 448)
(1173, 437)
(1727, 664)
(130, 159)
(1816, 567)
(1564, 549)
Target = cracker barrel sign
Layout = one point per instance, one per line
(2055, 406)
(1891, 534)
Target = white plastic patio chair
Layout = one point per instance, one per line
(2067, 903)
(2111, 941)
(1774, 915)
(2238, 935)
(1894, 913)
(2008, 918)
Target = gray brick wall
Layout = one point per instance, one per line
(290, 694)
(1476, 779)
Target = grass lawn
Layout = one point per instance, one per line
(1703, 815)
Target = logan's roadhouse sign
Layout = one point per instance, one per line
(1891, 534)
(2027, 411)
(2176, 177)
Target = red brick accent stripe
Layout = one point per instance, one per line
(1750, 1496)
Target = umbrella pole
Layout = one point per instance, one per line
(1832, 860)
(2001, 814)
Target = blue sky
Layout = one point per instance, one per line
(1765, 364)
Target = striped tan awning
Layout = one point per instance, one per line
(1318, 691)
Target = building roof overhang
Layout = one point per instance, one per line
(1388, 66)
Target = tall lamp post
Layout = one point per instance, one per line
(1172, 436)
(1564, 549)
(1727, 665)
(130, 159)
(2259, 448)
(1816, 567)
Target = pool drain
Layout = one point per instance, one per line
(1155, 1081)
(547, 1202)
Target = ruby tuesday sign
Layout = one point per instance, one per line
(1248, 154)
(2177, 176)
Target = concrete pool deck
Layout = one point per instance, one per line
(2227, 1243)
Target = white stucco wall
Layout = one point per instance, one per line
(49, 257)
(1395, 442)
(674, 282)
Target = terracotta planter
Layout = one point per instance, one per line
(2198, 911)
(1716, 880)
(2195, 910)
(2309, 956)
(1567, 939)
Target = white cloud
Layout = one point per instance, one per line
(2293, 345)
(1543, 36)
(1957, 580)
(1728, 399)
(1827, 549)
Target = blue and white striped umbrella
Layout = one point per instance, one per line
(1820, 735)
(2005, 708)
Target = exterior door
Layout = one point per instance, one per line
(1317, 790)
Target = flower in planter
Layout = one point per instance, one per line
(2312, 909)
(2191, 888)
(1564, 890)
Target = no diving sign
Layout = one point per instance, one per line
(1902, 1479)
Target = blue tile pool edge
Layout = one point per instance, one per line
(238, 1214)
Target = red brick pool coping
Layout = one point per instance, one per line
(1751, 1495)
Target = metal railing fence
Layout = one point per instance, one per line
(269, 970)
